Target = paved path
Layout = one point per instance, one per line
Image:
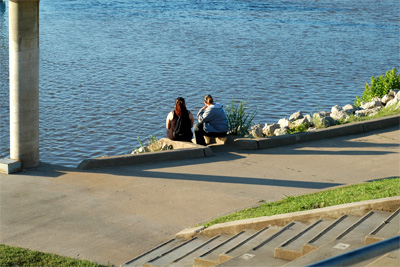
(112, 215)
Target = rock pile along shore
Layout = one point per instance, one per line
(302, 122)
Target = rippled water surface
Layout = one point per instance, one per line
(110, 70)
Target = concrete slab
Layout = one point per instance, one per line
(111, 215)
(9, 166)
(242, 143)
(182, 150)
(381, 123)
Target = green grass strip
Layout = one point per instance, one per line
(14, 256)
(347, 194)
(384, 112)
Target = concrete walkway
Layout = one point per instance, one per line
(112, 215)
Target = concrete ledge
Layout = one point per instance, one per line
(333, 131)
(242, 143)
(9, 166)
(334, 212)
(189, 232)
(186, 150)
(381, 123)
(283, 140)
(182, 150)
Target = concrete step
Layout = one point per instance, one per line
(249, 243)
(211, 257)
(386, 229)
(295, 244)
(153, 253)
(186, 260)
(263, 253)
(350, 239)
(329, 233)
(176, 252)
(293, 248)
(389, 259)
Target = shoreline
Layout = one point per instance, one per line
(190, 150)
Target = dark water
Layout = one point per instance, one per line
(110, 70)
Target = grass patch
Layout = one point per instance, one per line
(348, 194)
(384, 112)
(14, 256)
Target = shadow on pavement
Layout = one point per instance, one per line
(339, 146)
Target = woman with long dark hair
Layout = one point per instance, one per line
(180, 122)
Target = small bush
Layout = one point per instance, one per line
(153, 145)
(238, 119)
(379, 87)
(299, 129)
(318, 123)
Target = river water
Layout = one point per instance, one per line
(111, 70)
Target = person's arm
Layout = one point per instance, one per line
(169, 119)
(205, 115)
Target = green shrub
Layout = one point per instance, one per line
(299, 129)
(238, 119)
(153, 145)
(318, 123)
(379, 87)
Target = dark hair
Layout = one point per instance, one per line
(208, 99)
(180, 106)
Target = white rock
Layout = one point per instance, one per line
(305, 121)
(336, 108)
(269, 129)
(393, 92)
(392, 102)
(281, 131)
(256, 131)
(360, 113)
(321, 114)
(349, 108)
(372, 104)
(397, 96)
(308, 117)
(283, 122)
(328, 121)
(339, 115)
(296, 116)
(374, 111)
(386, 98)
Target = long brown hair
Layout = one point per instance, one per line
(180, 106)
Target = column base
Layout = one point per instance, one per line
(9, 166)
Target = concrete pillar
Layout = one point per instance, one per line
(24, 81)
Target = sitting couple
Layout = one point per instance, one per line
(211, 118)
